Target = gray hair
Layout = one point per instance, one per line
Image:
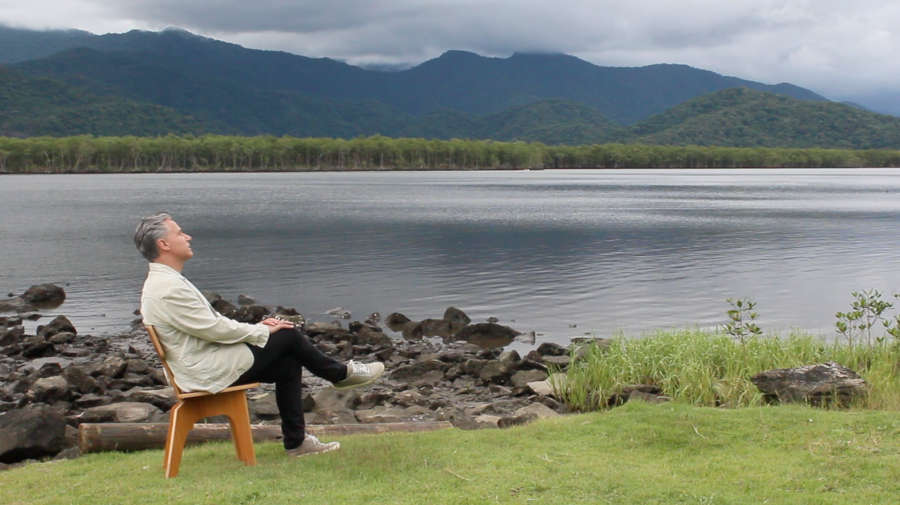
(148, 231)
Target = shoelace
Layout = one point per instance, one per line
(357, 368)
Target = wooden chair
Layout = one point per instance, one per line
(194, 406)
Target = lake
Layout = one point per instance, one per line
(561, 252)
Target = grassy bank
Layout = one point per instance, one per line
(708, 369)
(639, 453)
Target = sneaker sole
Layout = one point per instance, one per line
(300, 455)
(361, 384)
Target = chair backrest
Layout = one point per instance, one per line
(154, 338)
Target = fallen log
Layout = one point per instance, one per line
(98, 437)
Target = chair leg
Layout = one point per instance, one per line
(239, 419)
(181, 420)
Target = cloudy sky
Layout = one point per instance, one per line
(839, 48)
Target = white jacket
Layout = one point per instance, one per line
(204, 349)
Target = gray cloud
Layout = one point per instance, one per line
(832, 46)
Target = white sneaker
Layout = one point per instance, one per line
(360, 374)
(312, 445)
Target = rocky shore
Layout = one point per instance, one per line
(445, 369)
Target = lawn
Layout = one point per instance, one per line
(636, 454)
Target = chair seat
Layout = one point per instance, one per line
(197, 394)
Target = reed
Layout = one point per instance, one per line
(709, 369)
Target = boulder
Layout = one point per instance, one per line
(456, 319)
(224, 307)
(396, 321)
(11, 335)
(527, 414)
(15, 304)
(818, 384)
(31, 432)
(245, 300)
(112, 367)
(383, 415)
(264, 406)
(251, 313)
(59, 324)
(123, 412)
(36, 346)
(63, 337)
(487, 335)
(416, 370)
(522, 378)
(49, 389)
(161, 398)
(551, 349)
(45, 295)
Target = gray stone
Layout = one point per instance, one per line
(383, 415)
(819, 384)
(551, 349)
(45, 295)
(112, 367)
(123, 412)
(557, 362)
(488, 421)
(63, 337)
(456, 319)
(59, 324)
(49, 389)
(11, 335)
(161, 398)
(521, 378)
(409, 397)
(31, 432)
(245, 300)
(263, 406)
(417, 369)
(494, 371)
(487, 335)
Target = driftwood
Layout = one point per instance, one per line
(98, 437)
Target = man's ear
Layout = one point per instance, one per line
(162, 245)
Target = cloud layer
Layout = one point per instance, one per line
(834, 47)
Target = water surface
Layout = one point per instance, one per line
(564, 253)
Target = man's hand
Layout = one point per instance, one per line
(275, 324)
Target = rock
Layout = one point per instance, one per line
(408, 398)
(161, 398)
(49, 389)
(625, 393)
(46, 295)
(112, 367)
(224, 307)
(383, 415)
(818, 384)
(15, 304)
(397, 321)
(36, 346)
(456, 319)
(136, 366)
(557, 362)
(59, 324)
(494, 371)
(417, 370)
(522, 378)
(123, 412)
(527, 414)
(551, 349)
(63, 337)
(429, 328)
(332, 400)
(487, 335)
(12, 335)
(91, 400)
(251, 313)
(510, 359)
(49, 368)
(31, 432)
(264, 406)
(373, 399)
(648, 397)
(488, 421)
(245, 300)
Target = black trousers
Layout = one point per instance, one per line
(281, 362)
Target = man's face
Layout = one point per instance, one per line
(176, 241)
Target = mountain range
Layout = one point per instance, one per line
(151, 83)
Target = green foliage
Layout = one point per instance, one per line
(746, 117)
(866, 311)
(636, 454)
(709, 369)
(742, 317)
(86, 153)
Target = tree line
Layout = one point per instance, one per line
(222, 153)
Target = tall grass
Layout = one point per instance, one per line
(709, 369)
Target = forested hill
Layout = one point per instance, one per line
(745, 117)
(151, 83)
(32, 106)
(457, 80)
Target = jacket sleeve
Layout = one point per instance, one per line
(186, 312)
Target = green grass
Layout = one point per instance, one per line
(639, 453)
(704, 368)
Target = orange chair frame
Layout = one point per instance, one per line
(194, 406)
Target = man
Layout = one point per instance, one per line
(209, 352)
